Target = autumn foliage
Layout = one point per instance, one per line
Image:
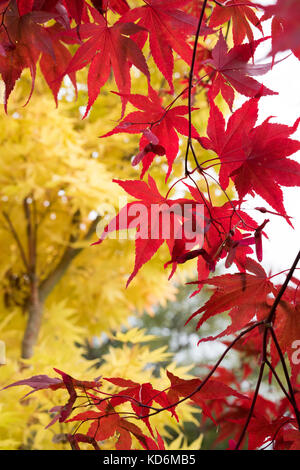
(217, 41)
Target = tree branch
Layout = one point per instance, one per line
(17, 240)
(31, 239)
(48, 284)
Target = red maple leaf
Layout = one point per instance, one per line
(242, 295)
(228, 141)
(106, 422)
(263, 427)
(240, 12)
(168, 28)
(287, 439)
(285, 16)
(71, 385)
(75, 9)
(159, 219)
(107, 48)
(53, 66)
(159, 126)
(138, 395)
(212, 390)
(254, 157)
(231, 70)
(39, 382)
(22, 39)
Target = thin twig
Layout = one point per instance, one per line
(191, 75)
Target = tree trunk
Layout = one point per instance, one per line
(35, 311)
(39, 292)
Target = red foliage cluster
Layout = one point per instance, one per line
(264, 316)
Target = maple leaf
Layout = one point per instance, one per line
(263, 427)
(107, 48)
(211, 390)
(240, 13)
(168, 28)
(138, 395)
(230, 69)
(243, 295)
(53, 65)
(289, 439)
(37, 382)
(105, 424)
(40, 382)
(254, 157)
(285, 16)
(268, 146)
(159, 219)
(159, 126)
(26, 39)
(75, 9)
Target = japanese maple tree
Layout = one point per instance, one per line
(216, 41)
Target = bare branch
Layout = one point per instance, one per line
(17, 240)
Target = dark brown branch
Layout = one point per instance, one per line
(278, 380)
(191, 75)
(17, 240)
(258, 384)
(31, 240)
